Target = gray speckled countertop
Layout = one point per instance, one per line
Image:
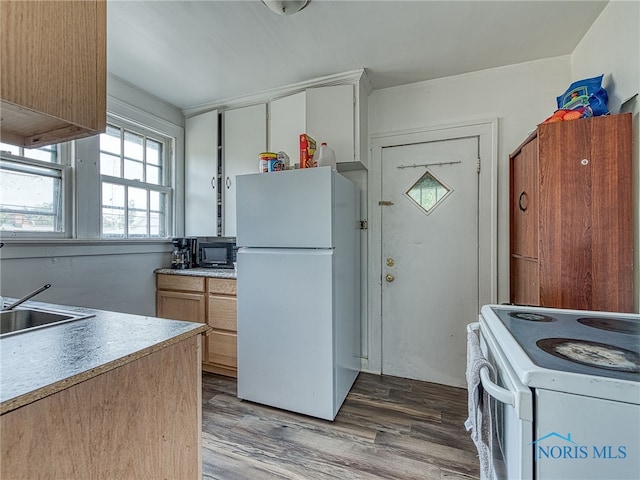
(200, 272)
(38, 363)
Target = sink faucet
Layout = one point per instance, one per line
(27, 297)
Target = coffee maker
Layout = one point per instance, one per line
(181, 256)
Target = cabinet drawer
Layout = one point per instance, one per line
(180, 306)
(222, 349)
(225, 286)
(181, 282)
(222, 312)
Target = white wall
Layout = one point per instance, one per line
(612, 46)
(115, 276)
(519, 96)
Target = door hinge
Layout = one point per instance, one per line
(385, 203)
(478, 164)
(364, 225)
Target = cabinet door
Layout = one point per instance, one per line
(330, 118)
(200, 172)
(524, 201)
(286, 123)
(245, 136)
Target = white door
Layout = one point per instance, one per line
(429, 221)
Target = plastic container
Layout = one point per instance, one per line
(326, 156)
(267, 161)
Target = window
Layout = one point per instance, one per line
(135, 182)
(32, 191)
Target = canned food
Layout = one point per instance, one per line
(265, 159)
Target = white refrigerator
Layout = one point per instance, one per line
(298, 240)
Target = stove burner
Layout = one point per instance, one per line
(531, 317)
(612, 324)
(592, 354)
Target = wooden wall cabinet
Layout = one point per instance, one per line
(54, 71)
(205, 300)
(571, 238)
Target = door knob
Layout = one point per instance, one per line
(390, 277)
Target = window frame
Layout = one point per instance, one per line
(168, 179)
(66, 192)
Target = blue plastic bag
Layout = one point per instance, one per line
(587, 93)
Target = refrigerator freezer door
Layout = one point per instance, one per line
(290, 209)
(285, 329)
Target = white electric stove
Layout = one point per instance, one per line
(566, 398)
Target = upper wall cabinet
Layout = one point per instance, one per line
(327, 114)
(201, 175)
(53, 63)
(245, 136)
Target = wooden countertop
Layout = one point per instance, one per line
(42, 362)
(200, 272)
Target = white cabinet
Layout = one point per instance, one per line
(245, 136)
(327, 114)
(201, 172)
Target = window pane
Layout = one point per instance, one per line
(46, 154)
(113, 211)
(110, 165)
(154, 152)
(153, 175)
(137, 212)
(133, 170)
(12, 149)
(428, 192)
(133, 146)
(30, 200)
(157, 209)
(110, 140)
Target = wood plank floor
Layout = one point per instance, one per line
(388, 428)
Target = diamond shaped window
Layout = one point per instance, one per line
(428, 192)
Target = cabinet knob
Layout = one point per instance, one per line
(523, 201)
(228, 183)
(390, 278)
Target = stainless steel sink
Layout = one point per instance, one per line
(27, 319)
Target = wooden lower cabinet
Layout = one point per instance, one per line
(206, 300)
(139, 420)
(222, 312)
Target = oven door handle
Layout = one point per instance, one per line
(501, 394)
(496, 391)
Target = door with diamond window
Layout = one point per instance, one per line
(429, 258)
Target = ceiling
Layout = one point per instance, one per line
(194, 53)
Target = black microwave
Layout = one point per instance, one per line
(217, 254)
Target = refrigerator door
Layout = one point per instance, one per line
(285, 329)
(290, 209)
